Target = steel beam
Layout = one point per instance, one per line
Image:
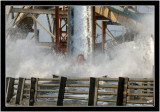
(106, 32)
(49, 25)
(57, 11)
(38, 11)
(42, 26)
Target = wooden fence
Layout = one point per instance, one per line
(126, 90)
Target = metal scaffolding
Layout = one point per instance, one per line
(27, 16)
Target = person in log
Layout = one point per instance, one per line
(80, 60)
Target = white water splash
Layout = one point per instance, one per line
(82, 32)
(130, 59)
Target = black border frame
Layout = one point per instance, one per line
(155, 3)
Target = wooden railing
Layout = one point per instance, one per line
(125, 90)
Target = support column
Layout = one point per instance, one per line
(103, 35)
(57, 26)
(94, 26)
(61, 91)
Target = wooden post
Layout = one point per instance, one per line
(125, 91)
(96, 91)
(32, 91)
(36, 89)
(7, 83)
(61, 91)
(10, 89)
(91, 91)
(19, 95)
(122, 91)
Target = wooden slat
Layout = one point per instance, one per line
(136, 94)
(49, 85)
(76, 92)
(45, 96)
(140, 87)
(14, 93)
(139, 102)
(77, 85)
(27, 79)
(49, 79)
(106, 100)
(108, 86)
(43, 90)
(105, 93)
(108, 79)
(16, 83)
(26, 89)
(15, 88)
(27, 84)
(78, 79)
(77, 98)
(25, 94)
(140, 80)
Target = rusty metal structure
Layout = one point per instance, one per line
(23, 18)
